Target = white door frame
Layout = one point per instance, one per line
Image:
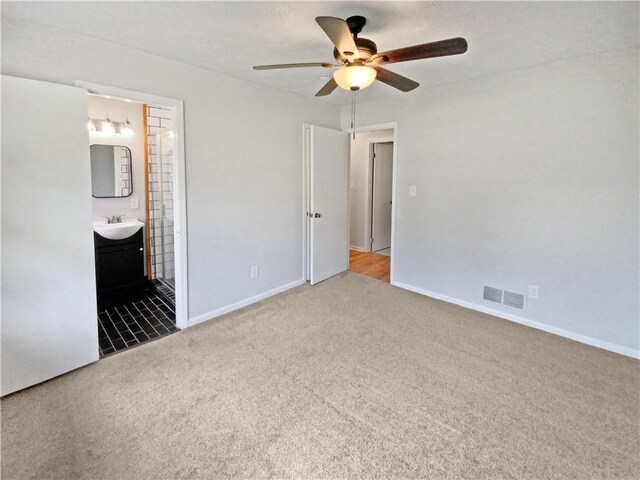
(179, 185)
(306, 173)
(374, 128)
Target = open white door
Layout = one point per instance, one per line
(382, 195)
(49, 323)
(327, 154)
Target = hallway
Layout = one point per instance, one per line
(370, 264)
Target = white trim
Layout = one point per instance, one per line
(357, 249)
(394, 191)
(179, 185)
(180, 225)
(125, 94)
(368, 219)
(243, 303)
(306, 154)
(594, 342)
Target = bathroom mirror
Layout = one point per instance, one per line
(111, 171)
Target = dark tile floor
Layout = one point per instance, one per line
(135, 322)
(165, 292)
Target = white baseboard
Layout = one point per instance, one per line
(243, 303)
(594, 342)
(357, 249)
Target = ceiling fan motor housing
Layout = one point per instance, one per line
(366, 48)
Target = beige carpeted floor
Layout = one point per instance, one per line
(352, 378)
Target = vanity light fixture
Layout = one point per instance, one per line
(107, 126)
(126, 128)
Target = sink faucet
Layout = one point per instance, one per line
(114, 219)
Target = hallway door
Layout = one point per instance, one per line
(381, 198)
(327, 164)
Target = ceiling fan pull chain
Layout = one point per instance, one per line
(353, 113)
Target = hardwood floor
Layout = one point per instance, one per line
(370, 264)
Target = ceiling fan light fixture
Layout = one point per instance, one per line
(357, 76)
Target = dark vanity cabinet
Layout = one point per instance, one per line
(119, 268)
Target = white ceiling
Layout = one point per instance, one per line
(230, 37)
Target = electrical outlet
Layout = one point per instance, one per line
(135, 204)
(412, 191)
(254, 271)
(534, 292)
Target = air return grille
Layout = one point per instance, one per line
(492, 294)
(514, 300)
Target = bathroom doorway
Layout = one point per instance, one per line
(140, 273)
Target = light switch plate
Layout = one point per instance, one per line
(534, 292)
(412, 191)
(135, 204)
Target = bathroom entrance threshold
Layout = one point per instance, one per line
(135, 322)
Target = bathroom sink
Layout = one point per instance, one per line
(117, 231)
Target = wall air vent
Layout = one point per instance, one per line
(492, 294)
(514, 300)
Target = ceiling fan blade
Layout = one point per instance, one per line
(442, 48)
(338, 32)
(329, 87)
(394, 80)
(294, 65)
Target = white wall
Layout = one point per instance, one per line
(360, 187)
(243, 156)
(118, 111)
(527, 177)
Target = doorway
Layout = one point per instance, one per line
(159, 202)
(132, 220)
(338, 208)
(371, 203)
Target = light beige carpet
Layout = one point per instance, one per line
(352, 378)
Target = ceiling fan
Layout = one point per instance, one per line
(360, 64)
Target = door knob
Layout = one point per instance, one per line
(317, 215)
